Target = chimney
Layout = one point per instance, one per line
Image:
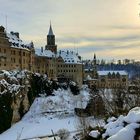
(42, 49)
(17, 34)
(2, 29)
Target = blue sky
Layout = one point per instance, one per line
(110, 28)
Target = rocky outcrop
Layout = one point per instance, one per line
(14, 101)
(18, 89)
(20, 105)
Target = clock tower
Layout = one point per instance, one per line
(51, 41)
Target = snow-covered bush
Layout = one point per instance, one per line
(74, 88)
(63, 134)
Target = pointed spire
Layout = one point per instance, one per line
(94, 60)
(50, 30)
(94, 56)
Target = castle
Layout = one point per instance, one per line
(60, 65)
(63, 66)
(105, 79)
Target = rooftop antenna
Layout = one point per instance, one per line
(77, 46)
(77, 50)
(3, 19)
(50, 23)
(74, 44)
(6, 22)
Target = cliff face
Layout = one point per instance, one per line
(18, 89)
(14, 101)
(20, 105)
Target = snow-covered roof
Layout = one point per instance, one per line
(45, 53)
(69, 56)
(106, 72)
(121, 72)
(16, 42)
(90, 79)
(90, 69)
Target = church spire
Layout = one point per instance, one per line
(94, 60)
(95, 74)
(94, 56)
(51, 41)
(50, 30)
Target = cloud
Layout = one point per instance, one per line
(91, 26)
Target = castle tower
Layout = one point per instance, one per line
(94, 72)
(51, 41)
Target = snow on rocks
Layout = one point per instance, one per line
(123, 127)
(94, 133)
(126, 133)
(133, 115)
(10, 81)
(12, 88)
(111, 119)
(113, 127)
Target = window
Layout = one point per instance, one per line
(4, 50)
(102, 80)
(23, 53)
(124, 79)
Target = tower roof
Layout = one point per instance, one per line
(94, 56)
(50, 30)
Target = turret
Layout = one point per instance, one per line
(51, 41)
(94, 72)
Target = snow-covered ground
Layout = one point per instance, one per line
(49, 114)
